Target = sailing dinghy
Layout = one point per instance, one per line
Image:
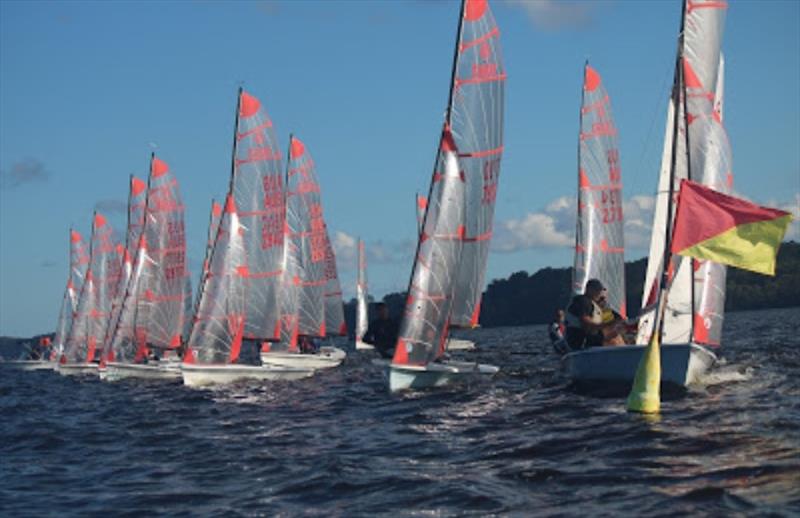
(452, 249)
(304, 270)
(362, 297)
(695, 147)
(152, 316)
(238, 301)
(81, 353)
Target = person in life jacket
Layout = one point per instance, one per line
(586, 325)
(557, 331)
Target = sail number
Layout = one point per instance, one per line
(610, 205)
(491, 172)
(272, 218)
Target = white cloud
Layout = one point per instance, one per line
(530, 231)
(345, 247)
(557, 14)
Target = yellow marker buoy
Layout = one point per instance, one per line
(645, 394)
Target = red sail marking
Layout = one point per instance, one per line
(343, 328)
(475, 9)
(74, 236)
(248, 105)
(159, 167)
(481, 77)
(99, 220)
(137, 186)
(592, 79)
(689, 76)
(400, 353)
(481, 154)
(257, 130)
(480, 237)
(297, 148)
(216, 209)
(495, 32)
(583, 180)
(700, 329)
(691, 6)
(473, 321)
(236, 324)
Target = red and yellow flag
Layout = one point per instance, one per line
(713, 226)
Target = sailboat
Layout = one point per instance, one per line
(78, 261)
(94, 302)
(137, 197)
(452, 249)
(695, 147)
(238, 302)
(153, 308)
(362, 297)
(304, 269)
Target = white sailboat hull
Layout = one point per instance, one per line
(459, 344)
(681, 364)
(405, 377)
(361, 346)
(155, 370)
(204, 375)
(326, 358)
(77, 369)
(28, 365)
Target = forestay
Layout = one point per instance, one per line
(475, 118)
(599, 242)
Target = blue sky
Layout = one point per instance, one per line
(88, 89)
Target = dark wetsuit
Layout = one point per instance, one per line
(382, 334)
(577, 337)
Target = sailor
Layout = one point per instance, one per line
(557, 331)
(382, 332)
(585, 324)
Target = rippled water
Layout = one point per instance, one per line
(339, 444)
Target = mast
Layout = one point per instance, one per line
(678, 89)
(578, 204)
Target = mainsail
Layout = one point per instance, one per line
(257, 188)
(475, 119)
(219, 323)
(426, 320)
(695, 147)
(334, 306)
(362, 322)
(94, 305)
(599, 243)
(303, 293)
(165, 291)
(153, 310)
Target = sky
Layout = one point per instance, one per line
(89, 89)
